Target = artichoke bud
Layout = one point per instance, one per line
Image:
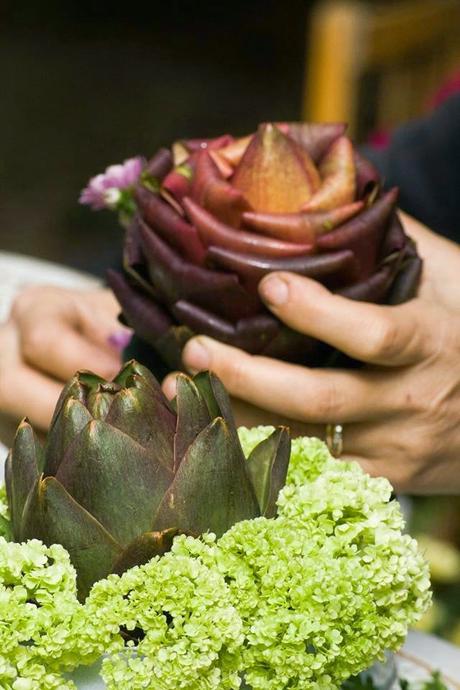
(123, 471)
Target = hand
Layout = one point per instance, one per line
(51, 333)
(400, 413)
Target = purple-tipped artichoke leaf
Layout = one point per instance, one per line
(23, 467)
(211, 490)
(407, 280)
(268, 465)
(115, 479)
(315, 137)
(52, 515)
(143, 548)
(171, 343)
(192, 416)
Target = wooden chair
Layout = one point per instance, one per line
(374, 65)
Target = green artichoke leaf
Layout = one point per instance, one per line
(268, 465)
(143, 412)
(23, 467)
(211, 490)
(75, 388)
(72, 418)
(115, 479)
(215, 394)
(192, 416)
(143, 548)
(171, 344)
(52, 515)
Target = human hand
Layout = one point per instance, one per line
(401, 412)
(50, 334)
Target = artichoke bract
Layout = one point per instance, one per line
(123, 470)
(213, 216)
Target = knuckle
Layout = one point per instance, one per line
(382, 339)
(328, 403)
(34, 340)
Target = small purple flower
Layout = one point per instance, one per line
(104, 190)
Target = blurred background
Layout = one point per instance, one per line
(86, 84)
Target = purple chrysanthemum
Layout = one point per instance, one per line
(104, 190)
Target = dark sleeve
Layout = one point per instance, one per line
(423, 160)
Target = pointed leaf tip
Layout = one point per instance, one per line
(268, 465)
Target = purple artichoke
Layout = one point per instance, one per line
(214, 216)
(123, 471)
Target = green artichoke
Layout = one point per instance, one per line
(123, 470)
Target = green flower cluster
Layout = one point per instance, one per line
(303, 601)
(168, 624)
(38, 607)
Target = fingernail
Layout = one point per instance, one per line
(274, 291)
(196, 357)
(120, 339)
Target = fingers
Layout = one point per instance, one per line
(61, 331)
(24, 391)
(55, 348)
(368, 332)
(317, 396)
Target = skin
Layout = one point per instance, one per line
(401, 412)
(50, 334)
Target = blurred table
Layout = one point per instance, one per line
(421, 654)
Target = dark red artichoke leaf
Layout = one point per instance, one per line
(395, 239)
(143, 548)
(192, 416)
(300, 227)
(147, 319)
(195, 145)
(375, 287)
(72, 418)
(337, 170)
(273, 174)
(115, 479)
(211, 490)
(250, 334)
(53, 516)
(316, 138)
(213, 232)
(22, 469)
(170, 225)
(407, 280)
(268, 465)
(292, 346)
(216, 397)
(145, 415)
(178, 279)
(134, 261)
(334, 268)
(171, 343)
(367, 176)
(363, 234)
(160, 164)
(215, 194)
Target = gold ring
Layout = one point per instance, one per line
(334, 439)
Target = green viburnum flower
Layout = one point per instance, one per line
(5, 526)
(303, 600)
(168, 624)
(38, 605)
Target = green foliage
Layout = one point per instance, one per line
(303, 600)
